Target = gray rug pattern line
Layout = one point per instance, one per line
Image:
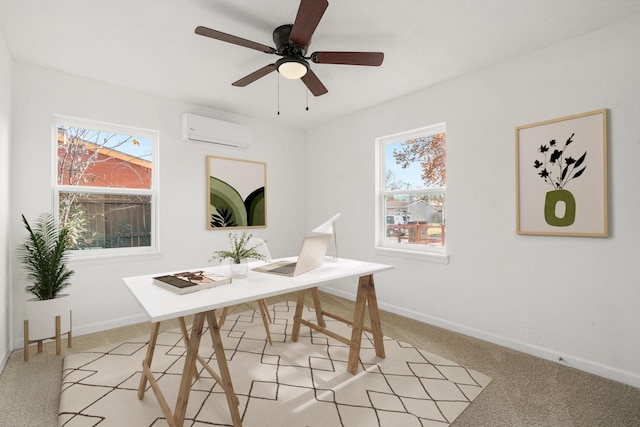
(286, 384)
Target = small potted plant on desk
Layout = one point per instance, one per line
(240, 252)
(43, 254)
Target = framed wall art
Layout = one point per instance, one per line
(561, 173)
(236, 193)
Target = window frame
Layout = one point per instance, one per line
(153, 193)
(381, 246)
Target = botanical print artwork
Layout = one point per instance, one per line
(555, 159)
(561, 172)
(557, 171)
(236, 196)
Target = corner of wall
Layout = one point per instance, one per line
(5, 240)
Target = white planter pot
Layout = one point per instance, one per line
(41, 315)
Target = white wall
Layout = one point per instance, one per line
(100, 300)
(573, 297)
(5, 245)
(549, 296)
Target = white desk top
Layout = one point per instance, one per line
(161, 304)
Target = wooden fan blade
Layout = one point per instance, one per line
(348, 58)
(255, 75)
(218, 35)
(309, 14)
(313, 83)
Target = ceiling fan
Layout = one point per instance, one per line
(292, 43)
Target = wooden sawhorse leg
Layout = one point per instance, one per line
(225, 377)
(366, 296)
(176, 418)
(264, 312)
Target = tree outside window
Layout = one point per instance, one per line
(104, 185)
(413, 189)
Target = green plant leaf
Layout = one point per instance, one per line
(43, 254)
(239, 249)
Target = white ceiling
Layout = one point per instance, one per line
(150, 45)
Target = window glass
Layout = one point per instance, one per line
(412, 190)
(105, 184)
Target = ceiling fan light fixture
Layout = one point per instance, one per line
(292, 68)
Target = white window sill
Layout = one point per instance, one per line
(106, 256)
(438, 258)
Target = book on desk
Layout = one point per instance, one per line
(190, 281)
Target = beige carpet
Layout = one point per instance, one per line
(292, 384)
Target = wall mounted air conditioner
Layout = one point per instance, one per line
(205, 129)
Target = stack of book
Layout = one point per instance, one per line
(190, 281)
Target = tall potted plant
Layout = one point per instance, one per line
(44, 256)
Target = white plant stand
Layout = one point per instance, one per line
(47, 319)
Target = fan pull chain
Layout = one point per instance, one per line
(278, 93)
(307, 100)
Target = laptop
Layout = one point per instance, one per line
(311, 256)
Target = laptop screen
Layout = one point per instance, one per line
(311, 256)
(312, 253)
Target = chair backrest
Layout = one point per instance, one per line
(261, 247)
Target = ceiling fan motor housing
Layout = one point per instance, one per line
(283, 46)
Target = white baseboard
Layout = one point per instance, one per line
(579, 363)
(5, 358)
(95, 327)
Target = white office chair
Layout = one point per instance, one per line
(262, 249)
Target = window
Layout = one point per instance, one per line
(411, 192)
(105, 186)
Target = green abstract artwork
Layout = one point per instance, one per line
(236, 193)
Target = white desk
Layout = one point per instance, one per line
(161, 304)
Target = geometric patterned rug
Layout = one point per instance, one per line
(284, 384)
